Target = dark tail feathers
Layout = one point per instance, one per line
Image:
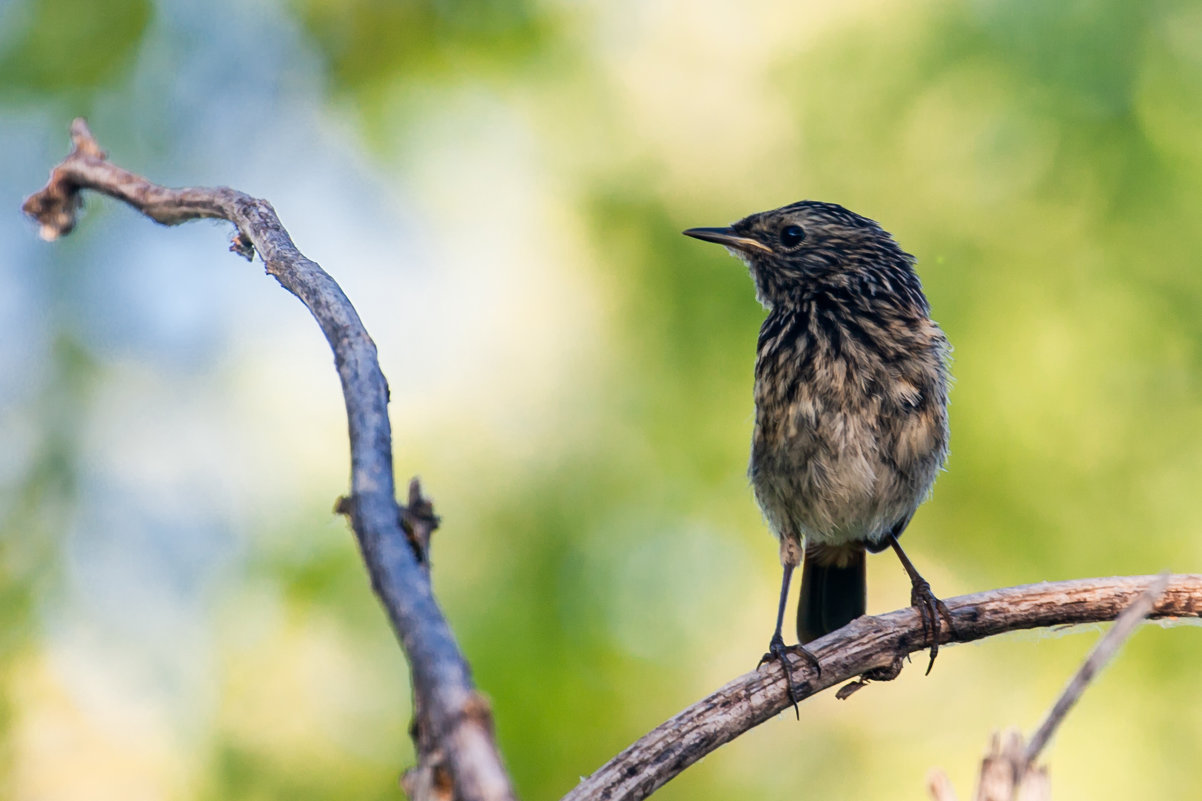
(833, 589)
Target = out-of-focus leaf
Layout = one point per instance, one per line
(72, 45)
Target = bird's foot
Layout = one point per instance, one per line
(779, 652)
(930, 609)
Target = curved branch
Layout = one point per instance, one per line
(454, 721)
(868, 645)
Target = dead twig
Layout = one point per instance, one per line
(1008, 771)
(457, 751)
(1124, 626)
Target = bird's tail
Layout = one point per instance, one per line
(834, 589)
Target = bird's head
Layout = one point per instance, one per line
(807, 246)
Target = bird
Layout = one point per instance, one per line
(851, 392)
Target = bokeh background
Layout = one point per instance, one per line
(500, 186)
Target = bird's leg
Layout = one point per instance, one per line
(776, 647)
(930, 608)
(777, 650)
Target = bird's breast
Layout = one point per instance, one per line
(849, 434)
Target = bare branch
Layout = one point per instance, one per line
(865, 645)
(453, 720)
(1106, 648)
(1008, 771)
(1006, 776)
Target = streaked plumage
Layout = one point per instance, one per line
(850, 395)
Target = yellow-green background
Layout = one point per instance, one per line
(500, 186)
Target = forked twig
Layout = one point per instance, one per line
(457, 751)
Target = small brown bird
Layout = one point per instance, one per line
(850, 405)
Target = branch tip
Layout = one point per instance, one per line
(940, 786)
(85, 144)
(55, 207)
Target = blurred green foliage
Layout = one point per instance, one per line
(1041, 160)
(68, 47)
(371, 42)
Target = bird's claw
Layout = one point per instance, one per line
(930, 610)
(779, 652)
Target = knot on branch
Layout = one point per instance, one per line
(242, 245)
(884, 673)
(419, 521)
(431, 778)
(416, 518)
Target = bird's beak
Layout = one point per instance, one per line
(727, 237)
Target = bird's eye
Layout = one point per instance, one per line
(792, 235)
